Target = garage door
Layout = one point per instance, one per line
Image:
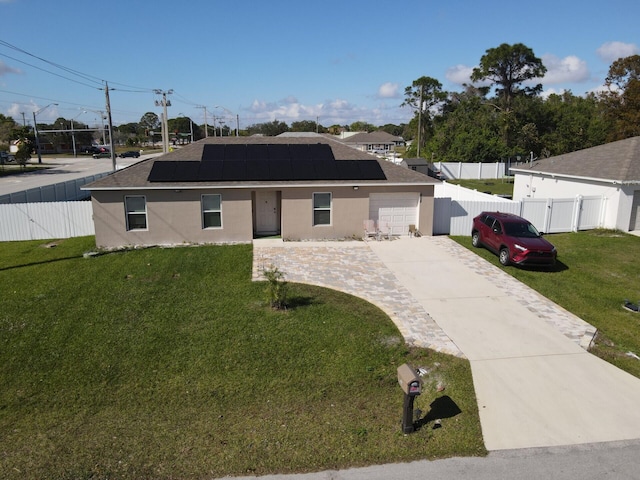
(634, 224)
(399, 210)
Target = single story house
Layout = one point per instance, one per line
(421, 165)
(611, 171)
(234, 189)
(379, 142)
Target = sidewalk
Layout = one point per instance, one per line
(536, 384)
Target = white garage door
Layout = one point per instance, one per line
(399, 210)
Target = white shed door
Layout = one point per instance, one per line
(399, 210)
(634, 224)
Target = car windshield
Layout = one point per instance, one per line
(521, 229)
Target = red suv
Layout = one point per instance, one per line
(513, 239)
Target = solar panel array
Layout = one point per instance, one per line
(265, 162)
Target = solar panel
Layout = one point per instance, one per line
(348, 170)
(279, 152)
(322, 151)
(234, 170)
(299, 151)
(258, 169)
(280, 170)
(213, 152)
(235, 152)
(210, 171)
(370, 170)
(257, 151)
(162, 171)
(265, 162)
(303, 169)
(187, 171)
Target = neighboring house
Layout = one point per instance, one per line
(611, 171)
(421, 165)
(379, 142)
(234, 189)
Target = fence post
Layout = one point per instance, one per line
(547, 214)
(577, 207)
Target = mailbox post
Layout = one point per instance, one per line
(411, 385)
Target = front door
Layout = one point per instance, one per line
(267, 212)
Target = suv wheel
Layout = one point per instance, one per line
(503, 256)
(475, 239)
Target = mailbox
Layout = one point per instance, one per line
(409, 380)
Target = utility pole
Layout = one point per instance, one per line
(112, 148)
(206, 128)
(164, 103)
(24, 122)
(420, 118)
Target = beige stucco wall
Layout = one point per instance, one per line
(174, 216)
(349, 209)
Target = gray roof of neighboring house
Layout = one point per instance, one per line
(412, 162)
(136, 176)
(617, 161)
(379, 136)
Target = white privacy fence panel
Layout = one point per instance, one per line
(58, 192)
(466, 170)
(38, 221)
(455, 217)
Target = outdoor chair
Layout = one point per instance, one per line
(384, 230)
(370, 230)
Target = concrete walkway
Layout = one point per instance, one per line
(536, 384)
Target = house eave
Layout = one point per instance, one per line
(575, 177)
(267, 186)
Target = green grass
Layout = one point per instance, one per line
(167, 363)
(597, 271)
(493, 186)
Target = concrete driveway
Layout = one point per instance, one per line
(536, 384)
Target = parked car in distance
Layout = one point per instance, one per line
(514, 239)
(130, 153)
(103, 154)
(6, 158)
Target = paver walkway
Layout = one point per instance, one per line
(354, 268)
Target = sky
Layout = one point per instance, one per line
(331, 61)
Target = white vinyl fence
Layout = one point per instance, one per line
(57, 192)
(38, 221)
(475, 171)
(455, 217)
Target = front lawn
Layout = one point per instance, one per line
(596, 272)
(167, 363)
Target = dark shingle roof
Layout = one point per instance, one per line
(137, 175)
(617, 161)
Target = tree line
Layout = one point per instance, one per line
(506, 116)
(499, 114)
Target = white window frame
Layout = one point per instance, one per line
(129, 212)
(322, 209)
(203, 211)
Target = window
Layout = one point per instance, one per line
(212, 211)
(136, 210)
(321, 209)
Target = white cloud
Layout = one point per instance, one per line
(388, 90)
(569, 69)
(336, 111)
(459, 74)
(4, 68)
(611, 51)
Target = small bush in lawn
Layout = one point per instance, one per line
(276, 287)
